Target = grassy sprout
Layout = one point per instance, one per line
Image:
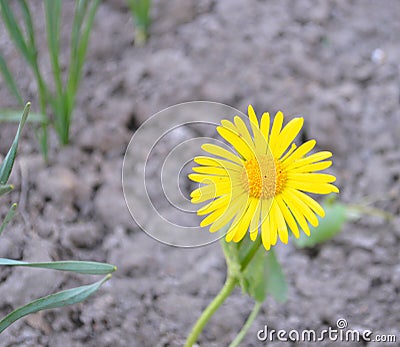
(140, 10)
(59, 101)
(62, 298)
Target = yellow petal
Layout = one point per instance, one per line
(322, 165)
(314, 205)
(246, 220)
(214, 205)
(310, 187)
(207, 179)
(276, 129)
(210, 191)
(255, 222)
(265, 233)
(252, 116)
(299, 153)
(297, 216)
(244, 132)
(235, 207)
(240, 145)
(312, 158)
(273, 224)
(221, 152)
(264, 126)
(236, 222)
(212, 217)
(302, 208)
(287, 135)
(311, 177)
(216, 162)
(282, 227)
(288, 217)
(211, 170)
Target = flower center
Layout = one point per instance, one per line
(263, 177)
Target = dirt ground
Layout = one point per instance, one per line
(334, 62)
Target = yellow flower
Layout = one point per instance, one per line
(264, 185)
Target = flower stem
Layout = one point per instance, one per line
(209, 311)
(242, 333)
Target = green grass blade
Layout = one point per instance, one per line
(9, 80)
(4, 189)
(83, 22)
(81, 267)
(60, 299)
(8, 162)
(15, 116)
(140, 10)
(15, 30)
(29, 26)
(80, 12)
(53, 15)
(10, 214)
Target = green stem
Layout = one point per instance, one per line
(242, 333)
(210, 310)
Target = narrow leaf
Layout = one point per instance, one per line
(9, 80)
(9, 216)
(4, 189)
(60, 299)
(15, 30)
(82, 267)
(15, 116)
(8, 162)
(29, 26)
(53, 15)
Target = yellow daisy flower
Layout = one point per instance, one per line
(262, 187)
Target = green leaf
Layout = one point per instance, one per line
(9, 216)
(9, 80)
(335, 216)
(15, 30)
(15, 116)
(60, 299)
(53, 15)
(8, 162)
(29, 26)
(264, 276)
(4, 189)
(276, 281)
(81, 267)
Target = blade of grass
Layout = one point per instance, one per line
(9, 80)
(60, 299)
(53, 16)
(8, 162)
(10, 214)
(30, 55)
(79, 43)
(4, 189)
(15, 116)
(29, 27)
(15, 30)
(81, 267)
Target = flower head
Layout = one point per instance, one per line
(263, 186)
